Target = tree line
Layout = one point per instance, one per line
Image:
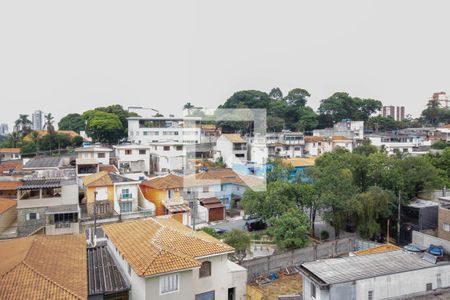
(359, 190)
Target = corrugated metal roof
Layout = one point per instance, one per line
(339, 270)
(104, 277)
(40, 184)
(43, 162)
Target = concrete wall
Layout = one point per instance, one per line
(275, 263)
(25, 227)
(402, 284)
(425, 240)
(7, 218)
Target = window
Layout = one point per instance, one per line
(429, 287)
(313, 290)
(32, 216)
(142, 152)
(446, 227)
(169, 283)
(166, 148)
(126, 207)
(179, 148)
(101, 155)
(239, 155)
(370, 295)
(297, 148)
(128, 152)
(205, 269)
(126, 194)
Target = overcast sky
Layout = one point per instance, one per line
(62, 57)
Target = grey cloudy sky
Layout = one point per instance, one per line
(61, 56)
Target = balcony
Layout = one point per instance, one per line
(126, 197)
(238, 147)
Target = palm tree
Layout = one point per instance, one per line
(49, 119)
(35, 139)
(13, 139)
(23, 124)
(188, 106)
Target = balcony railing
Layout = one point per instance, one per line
(128, 196)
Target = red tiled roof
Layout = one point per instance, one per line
(10, 185)
(9, 150)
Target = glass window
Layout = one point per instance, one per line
(166, 148)
(429, 287)
(126, 207)
(128, 152)
(179, 148)
(142, 152)
(101, 155)
(370, 295)
(446, 227)
(169, 283)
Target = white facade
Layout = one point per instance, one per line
(37, 118)
(166, 157)
(231, 152)
(161, 129)
(383, 287)
(7, 154)
(101, 154)
(315, 146)
(393, 144)
(257, 149)
(224, 275)
(126, 196)
(133, 158)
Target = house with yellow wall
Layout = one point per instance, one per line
(165, 193)
(112, 194)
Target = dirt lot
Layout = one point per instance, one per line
(285, 285)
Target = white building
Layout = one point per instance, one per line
(10, 154)
(164, 129)
(374, 276)
(4, 130)
(350, 129)
(37, 118)
(99, 153)
(396, 143)
(258, 152)
(166, 157)
(133, 158)
(163, 259)
(317, 145)
(232, 148)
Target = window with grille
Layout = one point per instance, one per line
(370, 295)
(429, 287)
(166, 148)
(205, 269)
(128, 152)
(169, 283)
(126, 207)
(142, 152)
(101, 155)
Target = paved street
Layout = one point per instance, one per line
(230, 225)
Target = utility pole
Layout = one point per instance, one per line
(95, 219)
(398, 218)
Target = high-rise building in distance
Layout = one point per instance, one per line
(37, 119)
(4, 130)
(395, 112)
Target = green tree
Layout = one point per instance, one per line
(342, 106)
(290, 230)
(49, 120)
(23, 124)
(373, 208)
(240, 241)
(276, 94)
(366, 148)
(103, 126)
(72, 122)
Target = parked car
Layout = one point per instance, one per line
(220, 230)
(255, 224)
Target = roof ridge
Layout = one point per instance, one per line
(49, 279)
(191, 234)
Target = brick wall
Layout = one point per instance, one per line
(444, 218)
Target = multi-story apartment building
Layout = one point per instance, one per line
(395, 112)
(37, 118)
(163, 259)
(133, 158)
(4, 130)
(164, 129)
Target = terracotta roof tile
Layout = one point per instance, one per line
(312, 138)
(9, 150)
(154, 246)
(234, 137)
(10, 185)
(108, 168)
(169, 181)
(97, 179)
(15, 165)
(377, 249)
(341, 138)
(300, 161)
(43, 267)
(6, 204)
